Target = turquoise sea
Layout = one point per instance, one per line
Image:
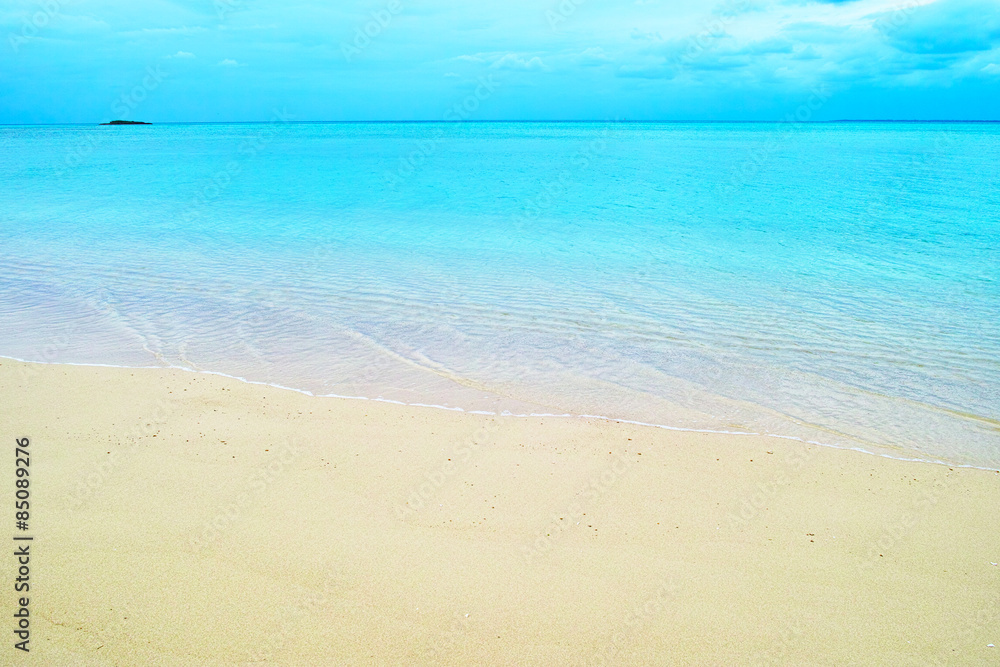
(838, 283)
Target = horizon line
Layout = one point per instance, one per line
(488, 121)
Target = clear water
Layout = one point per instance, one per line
(833, 282)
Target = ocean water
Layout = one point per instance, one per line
(838, 283)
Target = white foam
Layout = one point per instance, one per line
(506, 413)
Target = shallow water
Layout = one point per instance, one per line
(833, 282)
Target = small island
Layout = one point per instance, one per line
(126, 122)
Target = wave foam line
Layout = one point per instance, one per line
(506, 413)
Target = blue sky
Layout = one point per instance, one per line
(240, 60)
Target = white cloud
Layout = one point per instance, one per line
(652, 57)
(244, 28)
(593, 56)
(183, 30)
(514, 61)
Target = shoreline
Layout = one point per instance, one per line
(187, 518)
(667, 427)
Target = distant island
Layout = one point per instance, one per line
(126, 122)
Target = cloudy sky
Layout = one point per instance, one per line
(240, 60)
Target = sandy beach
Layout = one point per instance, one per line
(191, 519)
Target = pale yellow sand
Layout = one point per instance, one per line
(185, 519)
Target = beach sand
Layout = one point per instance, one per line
(191, 519)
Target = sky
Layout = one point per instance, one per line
(84, 61)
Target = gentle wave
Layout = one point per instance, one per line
(846, 293)
(519, 416)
